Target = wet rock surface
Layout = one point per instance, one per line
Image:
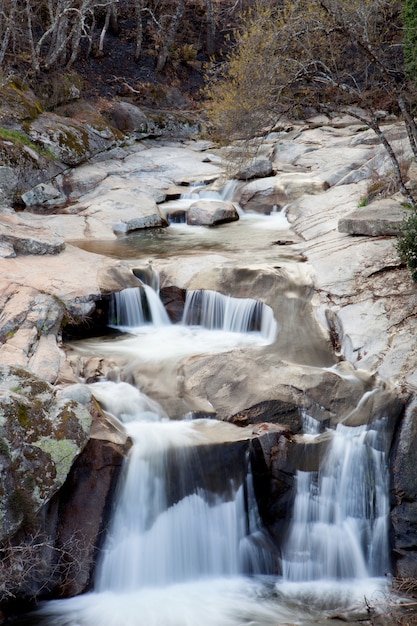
(348, 299)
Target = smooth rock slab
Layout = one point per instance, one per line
(380, 219)
(28, 239)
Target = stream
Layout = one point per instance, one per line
(186, 545)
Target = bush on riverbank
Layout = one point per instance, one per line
(407, 243)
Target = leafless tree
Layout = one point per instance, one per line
(35, 565)
(169, 37)
(211, 27)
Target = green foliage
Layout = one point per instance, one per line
(409, 15)
(16, 136)
(19, 138)
(407, 243)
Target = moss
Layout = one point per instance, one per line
(62, 452)
(23, 416)
(19, 138)
(21, 506)
(4, 448)
(18, 102)
(33, 106)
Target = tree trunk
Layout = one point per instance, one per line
(397, 169)
(10, 22)
(139, 30)
(211, 28)
(170, 36)
(104, 31)
(410, 125)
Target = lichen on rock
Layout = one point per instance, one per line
(41, 434)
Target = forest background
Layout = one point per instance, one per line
(243, 65)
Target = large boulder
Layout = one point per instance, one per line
(71, 141)
(211, 213)
(127, 117)
(257, 168)
(41, 436)
(404, 495)
(77, 518)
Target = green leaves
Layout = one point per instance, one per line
(407, 243)
(409, 15)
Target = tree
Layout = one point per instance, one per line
(169, 37)
(409, 14)
(407, 244)
(329, 54)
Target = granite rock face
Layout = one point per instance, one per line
(41, 435)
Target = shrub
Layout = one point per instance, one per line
(407, 243)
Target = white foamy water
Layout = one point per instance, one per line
(180, 560)
(182, 554)
(212, 323)
(234, 601)
(339, 527)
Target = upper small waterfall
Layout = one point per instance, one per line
(140, 306)
(137, 306)
(214, 310)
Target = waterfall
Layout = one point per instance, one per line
(137, 306)
(176, 210)
(140, 306)
(339, 526)
(214, 310)
(158, 537)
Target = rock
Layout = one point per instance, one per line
(32, 317)
(78, 516)
(35, 240)
(264, 194)
(257, 168)
(104, 216)
(211, 213)
(18, 104)
(381, 218)
(274, 485)
(404, 494)
(173, 299)
(8, 182)
(41, 436)
(45, 194)
(270, 411)
(79, 181)
(6, 250)
(71, 141)
(127, 118)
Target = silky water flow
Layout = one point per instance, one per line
(185, 549)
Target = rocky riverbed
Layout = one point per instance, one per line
(336, 274)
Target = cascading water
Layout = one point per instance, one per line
(159, 539)
(180, 547)
(139, 306)
(176, 210)
(339, 527)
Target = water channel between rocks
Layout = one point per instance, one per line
(186, 545)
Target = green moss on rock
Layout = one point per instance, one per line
(40, 437)
(62, 452)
